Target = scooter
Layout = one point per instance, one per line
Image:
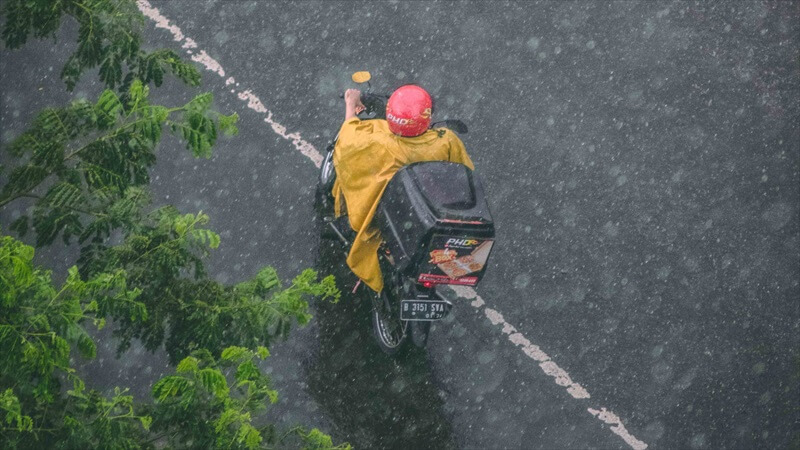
(437, 230)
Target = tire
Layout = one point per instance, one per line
(323, 200)
(327, 177)
(390, 332)
(419, 333)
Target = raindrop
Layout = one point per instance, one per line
(657, 351)
(485, 357)
(698, 441)
(521, 281)
(661, 372)
(654, 430)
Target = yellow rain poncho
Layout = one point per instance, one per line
(366, 157)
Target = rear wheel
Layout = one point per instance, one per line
(390, 331)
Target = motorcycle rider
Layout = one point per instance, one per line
(369, 152)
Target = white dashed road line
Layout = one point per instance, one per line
(253, 102)
(548, 366)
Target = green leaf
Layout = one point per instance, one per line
(64, 195)
(25, 143)
(170, 386)
(214, 382)
(227, 417)
(228, 124)
(138, 93)
(50, 222)
(273, 396)
(20, 226)
(11, 405)
(201, 102)
(188, 364)
(247, 371)
(206, 237)
(71, 72)
(87, 347)
(153, 65)
(318, 439)
(146, 421)
(111, 70)
(248, 436)
(22, 179)
(51, 123)
(199, 134)
(262, 352)
(267, 279)
(108, 108)
(148, 126)
(60, 350)
(234, 353)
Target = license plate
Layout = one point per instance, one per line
(423, 309)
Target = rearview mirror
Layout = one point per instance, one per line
(361, 77)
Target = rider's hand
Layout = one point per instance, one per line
(352, 100)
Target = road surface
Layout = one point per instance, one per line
(642, 161)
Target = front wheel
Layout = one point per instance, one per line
(390, 331)
(323, 199)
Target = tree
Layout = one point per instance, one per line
(41, 326)
(108, 37)
(85, 166)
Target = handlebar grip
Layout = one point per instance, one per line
(365, 95)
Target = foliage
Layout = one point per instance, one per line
(197, 407)
(40, 329)
(91, 161)
(211, 412)
(85, 158)
(86, 166)
(163, 259)
(108, 38)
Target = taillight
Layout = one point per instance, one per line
(427, 284)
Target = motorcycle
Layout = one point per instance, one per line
(437, 230)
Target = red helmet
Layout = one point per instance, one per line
(408, 111)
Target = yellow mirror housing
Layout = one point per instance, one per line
(361, 77)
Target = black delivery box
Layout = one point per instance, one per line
(436, 223)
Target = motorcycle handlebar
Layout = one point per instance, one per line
(365, 95)
(374, 103)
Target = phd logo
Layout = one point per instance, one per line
(397, 120)
(453, 242)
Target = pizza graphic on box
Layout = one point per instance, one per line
(465, 264)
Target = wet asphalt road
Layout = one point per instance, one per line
(643, 166)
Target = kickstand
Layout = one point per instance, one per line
(356, 286)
